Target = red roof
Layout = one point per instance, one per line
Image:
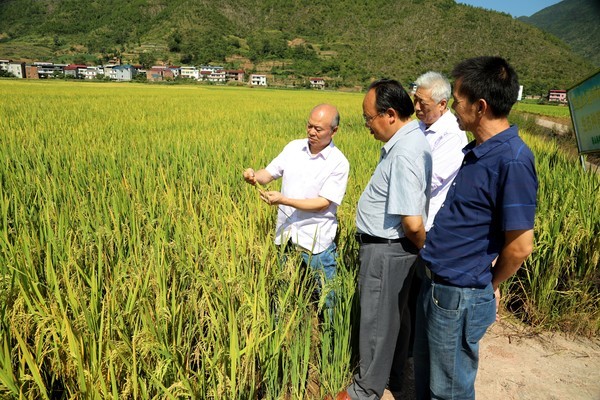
(72, 67)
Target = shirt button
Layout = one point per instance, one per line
(464, 163)
(424, 246)
(442, 205)
(453, 183)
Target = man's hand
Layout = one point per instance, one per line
(272, 197)
(250, 176)
(517, 247)
(497, 295)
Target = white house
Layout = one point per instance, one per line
(92, 71)
(218, 76)
(108, 70)
(318, 83)
(17, 69)
(557, 95)
(258, 80)
(211, 68)
(4, 64)
(124, 72)
(49, 70)
(190, 72)
(77, 71)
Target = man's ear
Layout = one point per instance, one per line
(392, 114)
(482, 107)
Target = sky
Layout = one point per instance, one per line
(516, 8)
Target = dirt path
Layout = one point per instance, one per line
(518, 364)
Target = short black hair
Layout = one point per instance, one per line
(491, 79)
(389, 93)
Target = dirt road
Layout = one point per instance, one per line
(516, 364)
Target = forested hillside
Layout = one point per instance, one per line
(576, 22)
(345, 41)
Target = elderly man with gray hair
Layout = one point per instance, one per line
(441, 130)
(446, 140)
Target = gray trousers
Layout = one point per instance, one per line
(384, 270)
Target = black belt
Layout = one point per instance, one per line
(407, 244)
(437, 279)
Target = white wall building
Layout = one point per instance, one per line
(91, 72)
(217, 76)
(4, 64)
(190, 73)
(123, 72)
(17, 69)
(258, 80)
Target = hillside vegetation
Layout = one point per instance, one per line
(576, 22)
(347, 42)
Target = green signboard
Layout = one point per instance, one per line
(584, 102)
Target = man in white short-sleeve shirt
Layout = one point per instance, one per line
(444, 136)
(315, 175)
(446, 140)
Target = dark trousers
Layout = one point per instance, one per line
(385, 270)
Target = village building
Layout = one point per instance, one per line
(190, 72)
(4, 64)
(76, 71)
(123, 73)
(234, 75)
(317, 83)
(557, 96)
(17, 69)
(91, 72)
(258, 80)
(163, 73)
(47, 70)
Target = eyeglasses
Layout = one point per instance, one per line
(369, 118)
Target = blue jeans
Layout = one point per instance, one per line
(450, 321)
(324, 268)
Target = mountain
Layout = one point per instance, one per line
(576, 22)
(346, 41)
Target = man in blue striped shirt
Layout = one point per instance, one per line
(488, 214)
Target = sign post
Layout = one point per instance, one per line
(584, 103)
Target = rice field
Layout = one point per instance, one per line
(548, 110)
(136, 263)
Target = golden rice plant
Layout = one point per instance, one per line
(136, 263)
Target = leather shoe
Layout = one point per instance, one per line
(343, 395)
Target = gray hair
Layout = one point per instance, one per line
(439, 85)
